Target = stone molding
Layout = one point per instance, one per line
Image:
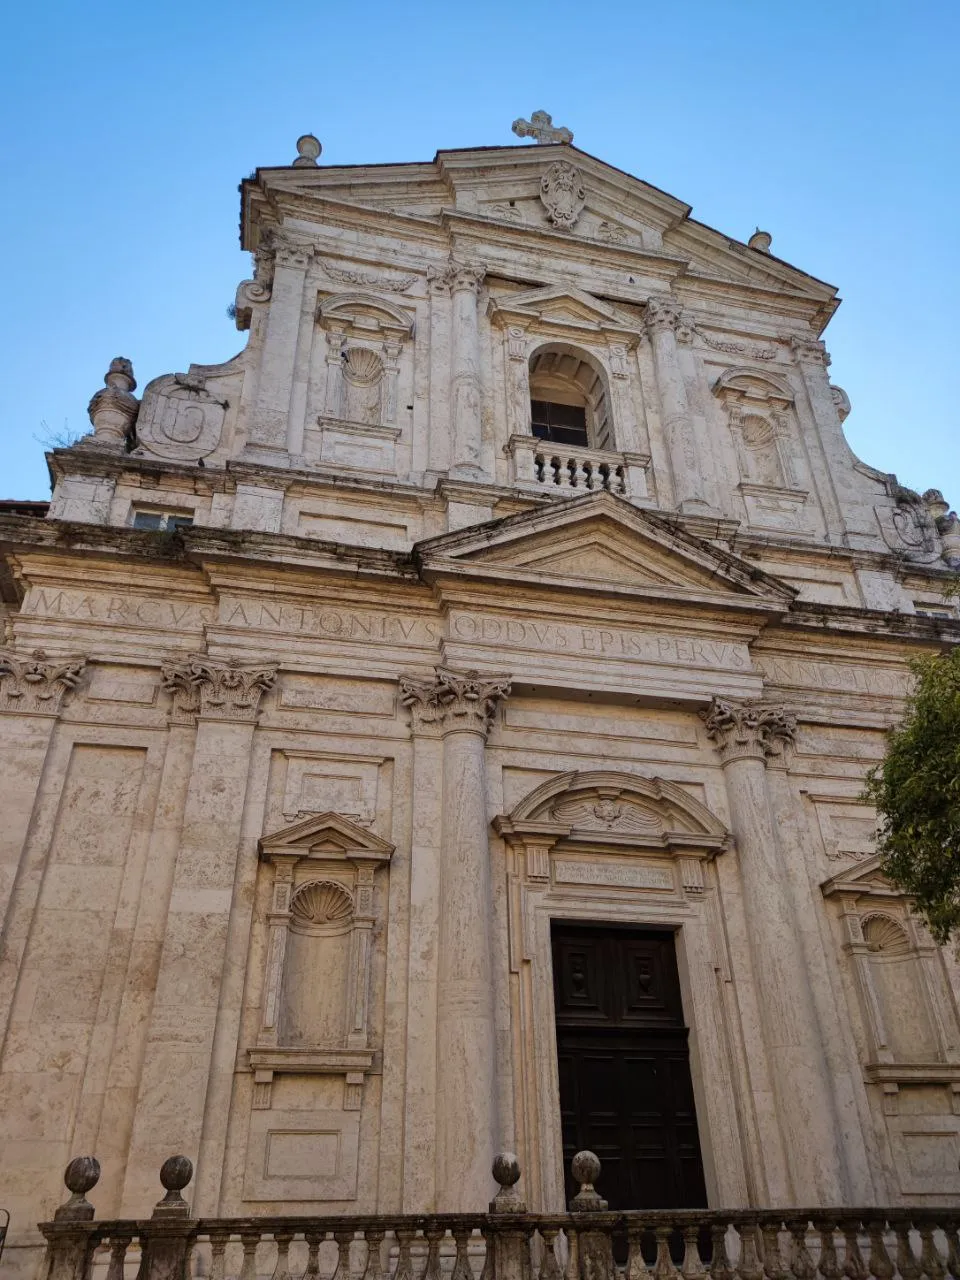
(211, 689)
(36, 685)
(453, 702)
(748, 730)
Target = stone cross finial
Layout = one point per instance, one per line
(540, 127)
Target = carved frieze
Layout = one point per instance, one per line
(362, 278)
(748, 729)
(216, 690)
(453, 700)
(562, 194)
(36, 685)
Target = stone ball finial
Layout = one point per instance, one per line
(585, 1167)
(175, 1173)
(82, 1173)
(761, 240)
(120, 374)
(506, 1171)
(308, 151)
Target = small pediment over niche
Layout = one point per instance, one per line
(602, 807)
(560, 305)
(601, 540)
(326, 836)
(863, 881)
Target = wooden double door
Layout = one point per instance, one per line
(625, 1087)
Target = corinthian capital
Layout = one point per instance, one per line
(214, 690)
(36, 685)
(748, 729)
(453, 700)
(662, 312)
(455, 276)
(809, 350)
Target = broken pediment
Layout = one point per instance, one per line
(601, 540)
(325, 836)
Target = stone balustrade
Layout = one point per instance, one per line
(587, 1243)
(540, 465)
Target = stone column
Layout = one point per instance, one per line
(840, 504)
(464, 281)
(268, 428)
(661, 317)
(745, 736)
(461, 708)
(172, 1101)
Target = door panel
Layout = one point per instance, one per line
(625, 1087)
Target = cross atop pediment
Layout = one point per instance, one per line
(540, 127)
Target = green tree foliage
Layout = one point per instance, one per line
(916, 790)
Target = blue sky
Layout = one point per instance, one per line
(127, 128)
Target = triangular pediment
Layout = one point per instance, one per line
(325, 836)
(865, 879)
(601, 541)
(562, 305)
(500, 187)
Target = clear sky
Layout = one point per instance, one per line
(125, 130)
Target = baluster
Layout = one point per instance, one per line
(249, 1240)
(854, 1267)
(283, 1240)
(343, 1241)
(720, 1268)
(118, 1256)
(907, 1263)
(621, 483)
(773, 1268)
(801, 1264)
(539, 467)
(434, 1235)
(636, 1268)
(663, 1268)
(828, 1264)
(218, 1255)
(692, 1267)
(751, 1267)
(404, 1269)
(953, 1250)
(374, 1267)
(572, 1270)
(556, 471)
(585, 469)
(313, 1239)
(881, 1265)
(489, 1267)
(931, 1264)
(550, 1268)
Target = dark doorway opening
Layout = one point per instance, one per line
(625, 1087)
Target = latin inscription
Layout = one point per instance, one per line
(609, 642)
(630, 877)
(130, 610)
(330, 623)
(842, 677)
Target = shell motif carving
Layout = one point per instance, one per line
(321, 903)
(884, 935)
(362, 367)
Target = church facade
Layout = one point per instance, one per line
(441, 728)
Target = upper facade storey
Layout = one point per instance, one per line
(496, 328)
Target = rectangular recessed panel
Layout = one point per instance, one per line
(302, 1155)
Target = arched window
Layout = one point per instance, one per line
(568, 398)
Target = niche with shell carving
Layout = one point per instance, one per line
(315, 1007)
(367, 350)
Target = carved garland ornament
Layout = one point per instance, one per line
(453, 700)
(368, 279)
(203, 686)
(748, 729)
(36, 685)
(562, 194)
